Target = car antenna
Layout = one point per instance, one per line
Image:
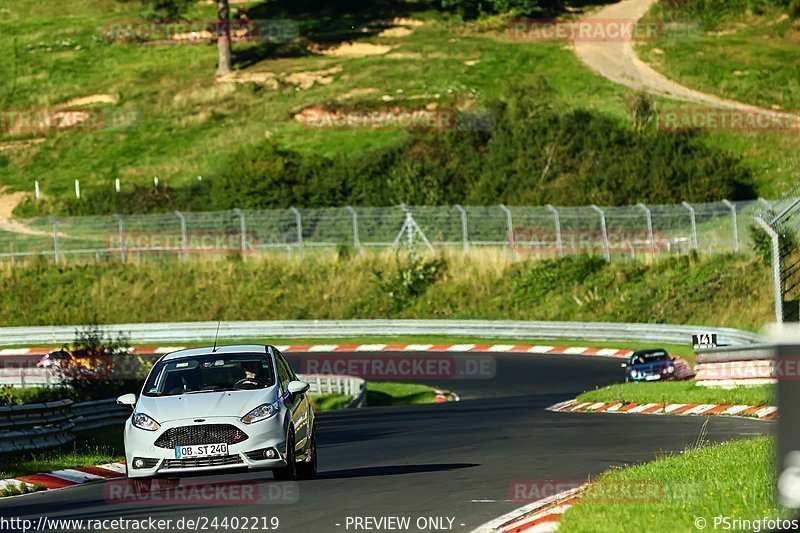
(216, 335)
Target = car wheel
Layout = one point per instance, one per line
(308, 469)
(288, 472)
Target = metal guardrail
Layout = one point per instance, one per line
(352, 386)
(35, 426)
(735, 365)
(98, 414)
(500, 329)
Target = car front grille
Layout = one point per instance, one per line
(202, 434)
(197, 462)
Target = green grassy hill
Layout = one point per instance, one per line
(165, 115)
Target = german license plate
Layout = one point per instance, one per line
(201, 450)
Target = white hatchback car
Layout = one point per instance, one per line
(205, 410)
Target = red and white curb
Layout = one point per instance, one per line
(446, 396)
(683, 409)
(67, 477)
(538, 517)
(500, 348)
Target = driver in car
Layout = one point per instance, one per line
(252, 371)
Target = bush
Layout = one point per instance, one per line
(794, 9)
(536, 153)
(411, 279)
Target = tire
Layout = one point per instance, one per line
(288, 472)
(308, 469)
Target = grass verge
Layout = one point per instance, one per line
(89, 448)
(708, 482)
(681, 392)
(586, 289)
(385, 393)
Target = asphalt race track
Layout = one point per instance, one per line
(452, 460)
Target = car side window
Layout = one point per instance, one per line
(284, 374)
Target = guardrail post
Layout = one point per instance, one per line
(184, 236)
(243, 227)
(510, 224)
(606, 253)
(649, 227)
(56, 253)
(732, 207)
(356, 241)
(121, 237)
(299, 220)
(557, 221)
(694, 224)
(464, 228)
(777, 284)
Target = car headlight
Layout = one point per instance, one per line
(634, 373)
(262, 412)
(142, 421)
(670, 369)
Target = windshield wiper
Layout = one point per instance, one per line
(207, 390)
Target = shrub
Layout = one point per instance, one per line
(411, 278)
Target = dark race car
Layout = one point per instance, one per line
(650, 365)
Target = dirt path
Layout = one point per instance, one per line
(618, 62)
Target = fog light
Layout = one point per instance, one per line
(269, 453)
(138, 463)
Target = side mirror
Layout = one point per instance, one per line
(624, 365)
(127, 399)
(298, 387)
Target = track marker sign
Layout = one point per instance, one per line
(704, 340)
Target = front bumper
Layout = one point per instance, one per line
(243, 455)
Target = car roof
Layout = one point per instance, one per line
(208, 350)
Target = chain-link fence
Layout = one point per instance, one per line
(616, 233)
(781, 225)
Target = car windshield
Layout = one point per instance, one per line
(209, 373)
(645, 358)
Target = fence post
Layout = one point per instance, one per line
(56, 253)
(557, 220)
(243, 226)
(121, 237)
(694, 224)
(606, 253)
(777, 285)
(356, 241)
(184, 236)
(649, 227)
(299, 219)
(464, 228)
(510, 223)
(732, 207)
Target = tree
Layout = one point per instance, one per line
(173, 9)
(223, 37)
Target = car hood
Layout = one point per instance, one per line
(656, 366)
(204, 404)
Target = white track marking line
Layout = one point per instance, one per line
(370, 347)
(323, 347)
(460, 347)
(540, 349)
(575, 350)
(75, 476)
(418, 347)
